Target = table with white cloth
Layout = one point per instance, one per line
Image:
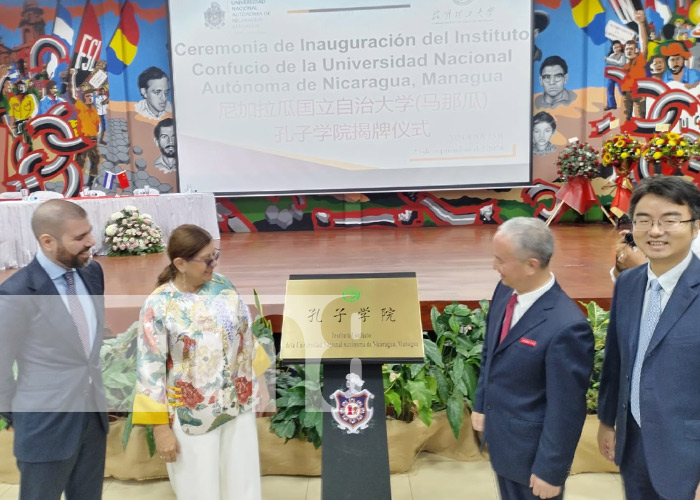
(18, 245)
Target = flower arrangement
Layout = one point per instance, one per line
(670, 147)
(578, 159)
(129, 233)
(621, 147)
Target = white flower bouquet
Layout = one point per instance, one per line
(129, 233)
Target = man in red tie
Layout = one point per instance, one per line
(535, 367)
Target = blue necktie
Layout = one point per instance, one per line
(77, 313)
(646, 331)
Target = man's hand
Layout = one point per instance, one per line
(542, 489)
(640, 17)
(606, 441)
(478, 421)
(167, 446)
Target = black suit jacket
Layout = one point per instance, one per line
(57, 382)
(532, 386)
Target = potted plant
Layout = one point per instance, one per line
(667, 151)
(621, 152)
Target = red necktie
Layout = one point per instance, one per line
(508, 317)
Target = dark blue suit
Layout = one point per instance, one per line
(57, 405)
(670, 382)
(534, 396)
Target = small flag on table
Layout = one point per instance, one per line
(108, 180)
(123, 180)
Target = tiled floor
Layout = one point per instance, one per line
(431, 478)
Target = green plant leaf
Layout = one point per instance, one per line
(419, 392)
(443, 386)
(434, 315)
(470, 379)
(455, 413)
(461, 310)
(150, 440)
(454, 324)
(393, 399)
(126, 433)
(286, 429)
(425, 413)
(432, 352)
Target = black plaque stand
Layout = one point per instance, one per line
(355, 465)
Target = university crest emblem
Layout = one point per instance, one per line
(352, 412)
(214, 16)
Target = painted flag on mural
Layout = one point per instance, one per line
(123, 180)
(122, 49)
(589, 15)
(63, 29)
(87, 46)
(108, 181)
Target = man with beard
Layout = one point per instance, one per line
(677, 72)
(52, 319)
(165, 140)
(554, 73)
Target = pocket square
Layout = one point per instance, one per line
(529, 342)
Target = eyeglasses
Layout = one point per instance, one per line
(665, 224)
(556, 77)
(208, 262)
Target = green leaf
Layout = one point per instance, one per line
(286, 429)
(393, 399)
(443, 385)
(462, 310)
(432, 352)
(434, 315)
(425, 413)
(432, 384)
(415, 369)
(126, 433)
(419, 392)
(455, 413)
(150, 440)
(454, 324)
(470, 379)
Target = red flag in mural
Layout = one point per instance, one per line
(87, 46)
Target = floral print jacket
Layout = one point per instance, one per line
(195, 357)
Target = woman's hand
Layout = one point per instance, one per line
(167, 446)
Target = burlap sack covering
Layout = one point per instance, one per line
(134, 462)
(443, 442)
(8, 466)
(294, 458)
(405, 441)
(587, 457)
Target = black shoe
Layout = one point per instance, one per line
(608, 108)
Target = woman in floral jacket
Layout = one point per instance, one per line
(198, 365)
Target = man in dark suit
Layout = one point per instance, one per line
(535, 367)
(649, 399)
(52, 318)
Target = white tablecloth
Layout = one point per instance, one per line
(18, 245)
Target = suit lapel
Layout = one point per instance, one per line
(51, 305)
(635, 300)
(97, 301)
(683, 295)
(534, 316)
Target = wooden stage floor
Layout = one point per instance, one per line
(452, 264)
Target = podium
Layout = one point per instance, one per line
(352, 324)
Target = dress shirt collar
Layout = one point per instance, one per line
(52, 269)
(525, 300)
(669, 279)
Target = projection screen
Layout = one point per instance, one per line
(310, 96)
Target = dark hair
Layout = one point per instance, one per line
(554, 61)
(185, 242)
(612, 46)
(166, 122)
(50, 84)
(148, 74)
(544, 117)
(675, 189)
(632, 42)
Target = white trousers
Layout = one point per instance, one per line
(222, 464)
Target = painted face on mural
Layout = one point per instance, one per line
(541, 134)
(657, 65)
(22, 87)
(553, 80)
(166, 141)
(617, 48)
(156, 94)
(676, 64)
(631, 50)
